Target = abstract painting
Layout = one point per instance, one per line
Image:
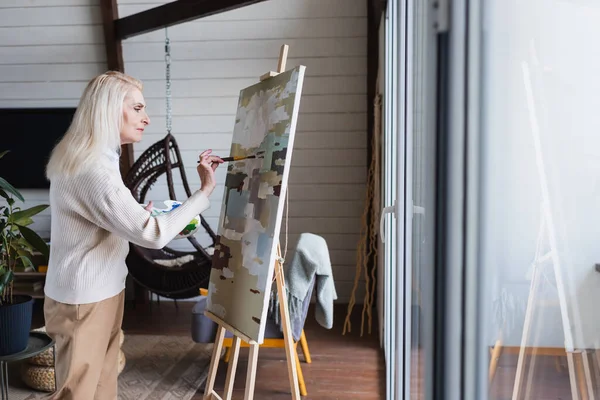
(252, 208)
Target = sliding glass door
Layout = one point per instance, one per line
(523, 220)
(421, 195)
(391, 181)
(409, 176)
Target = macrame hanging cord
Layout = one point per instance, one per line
(366, 254)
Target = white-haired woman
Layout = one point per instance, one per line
(93, 218)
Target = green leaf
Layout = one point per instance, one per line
(24, 252)
(23, 242)
(20, 217)
(25, 221)
(35, 240)
(4, 194)
(5, 279)
(10, 189)
(22, 247)
(26, 261)
(4, 153)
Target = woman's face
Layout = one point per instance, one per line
(135, 118)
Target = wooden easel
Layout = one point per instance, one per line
(290, 349)
(586, 388)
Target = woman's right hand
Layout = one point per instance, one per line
(206, 171)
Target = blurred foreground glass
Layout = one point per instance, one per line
(540, 198)
(422, 124)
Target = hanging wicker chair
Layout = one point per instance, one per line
(147, 266)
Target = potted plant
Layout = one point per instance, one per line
(18, 244)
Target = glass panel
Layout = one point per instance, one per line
(422, 126)
(389, 190)
(540, 197)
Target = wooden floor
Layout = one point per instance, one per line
(343, 366)
(549, 381)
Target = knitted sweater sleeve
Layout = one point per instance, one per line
(104, 200)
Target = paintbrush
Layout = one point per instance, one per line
(238, 158)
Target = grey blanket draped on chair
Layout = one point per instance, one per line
(310, 260)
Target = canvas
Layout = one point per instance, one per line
(250, 221)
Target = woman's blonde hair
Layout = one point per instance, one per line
(96, 125)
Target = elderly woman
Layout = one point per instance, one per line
(94, 217)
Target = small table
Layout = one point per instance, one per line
(38, 342)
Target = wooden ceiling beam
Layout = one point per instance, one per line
(172, 14)
(114, 59)
(114, 50)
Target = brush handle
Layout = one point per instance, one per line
(234, 158)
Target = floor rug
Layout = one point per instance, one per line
(157, 368)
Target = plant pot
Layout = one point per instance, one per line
(15, 324)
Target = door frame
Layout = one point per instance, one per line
(457, 359)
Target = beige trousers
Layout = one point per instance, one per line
(87, 347)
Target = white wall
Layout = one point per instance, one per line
(49, 49)
(563, 83)
(213, 58)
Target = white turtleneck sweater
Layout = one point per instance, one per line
(93, 219)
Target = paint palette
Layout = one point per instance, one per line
(190, 229)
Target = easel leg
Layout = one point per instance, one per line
(251, 376)
(572, 376)
(530, 373)
(526, 327)
(301, 382)
(495, 357)
(235, 352)
(287, 330)
(304, 345)
(214, 364)
(581, 376)
(534, 356)
(589, 375)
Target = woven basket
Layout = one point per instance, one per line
(122, 362)
(38, 378)
(45, 358)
